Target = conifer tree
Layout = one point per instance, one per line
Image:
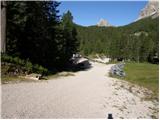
(70, 36)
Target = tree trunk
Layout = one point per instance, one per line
(3, 26)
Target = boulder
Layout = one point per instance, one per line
(118, 70)
(33, 76)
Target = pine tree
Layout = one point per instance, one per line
(16, 19)
(32, 31)
(70, 36)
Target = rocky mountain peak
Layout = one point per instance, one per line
(151, 9)
(103, 23)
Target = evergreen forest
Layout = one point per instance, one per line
(35, 32)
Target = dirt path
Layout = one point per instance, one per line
(88, 94)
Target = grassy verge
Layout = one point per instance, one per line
(14, 79)
(13, 67)
(143, 74)
(8, 76)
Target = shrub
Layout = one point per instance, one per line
(40, 69)
(16, 60)
(29, 66)
(25, 63)
(6, 58)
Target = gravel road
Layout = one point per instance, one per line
(87, 94)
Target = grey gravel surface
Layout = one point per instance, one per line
(88, 94)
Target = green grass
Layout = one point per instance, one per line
(143, 74)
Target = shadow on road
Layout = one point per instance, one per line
(81, 66)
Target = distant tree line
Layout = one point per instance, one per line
(138, 41)
(35, 32)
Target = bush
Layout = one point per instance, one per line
(25, 63)
(16, 60)
(6, 58)
(40, 69)
(29, 66)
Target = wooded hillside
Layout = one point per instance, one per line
(36, 33)
(137, 41)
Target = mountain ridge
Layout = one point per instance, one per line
(151, 9)
(103, 23)
(137, 41)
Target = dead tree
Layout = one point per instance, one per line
(3, 26)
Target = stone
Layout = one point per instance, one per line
(33, 76)
(151, 9)
(103, 23)
(118, 70)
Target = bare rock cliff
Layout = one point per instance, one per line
(151, 9)
(103, 23)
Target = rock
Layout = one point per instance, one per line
(103, 23)
(84, 64)
(140, 33)
(151, 9)
(16, 72)
(102, 59)
(5, 82)
(33, 76)
(118, 70)
(63, 73)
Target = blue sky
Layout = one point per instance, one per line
(117, 13)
